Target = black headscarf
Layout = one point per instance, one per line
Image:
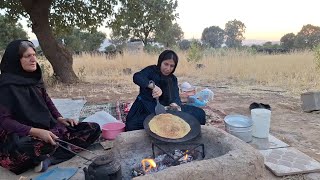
(166, 82)
(19, 90)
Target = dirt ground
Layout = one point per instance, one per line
(288, 123)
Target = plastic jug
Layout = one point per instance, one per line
(261, 122)
(205, 95)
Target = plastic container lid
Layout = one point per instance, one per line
(187, 87)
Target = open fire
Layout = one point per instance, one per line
(165, 160)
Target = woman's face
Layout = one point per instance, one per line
(29, 60)
(167, 66)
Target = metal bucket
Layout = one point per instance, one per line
(239, 126)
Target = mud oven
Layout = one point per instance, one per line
(214, 154)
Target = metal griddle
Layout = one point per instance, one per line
(191, 120)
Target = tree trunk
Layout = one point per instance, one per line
(59, 57)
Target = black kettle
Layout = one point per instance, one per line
(103, 167)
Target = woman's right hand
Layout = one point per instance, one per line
(156, 92)
(44, 135)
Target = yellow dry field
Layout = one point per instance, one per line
(295, 72)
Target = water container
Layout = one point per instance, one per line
(239, 126)
(261, 122)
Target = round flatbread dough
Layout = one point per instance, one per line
(169, 126)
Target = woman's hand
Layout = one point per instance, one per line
(175, 106)
(156, 92)
(44, 135)
(67, 121)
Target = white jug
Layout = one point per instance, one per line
(261, 122)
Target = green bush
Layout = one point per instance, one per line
(153, 49)
(194, 52)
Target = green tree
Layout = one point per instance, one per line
(10, 30)
(79, 40)
(308, 37)
(49, 18)
(213, 36)
(194, 52)
(287, 41)
(110, 48)
(267, 44)
(141, 19)
(73, 40)
(234, 31)
(184, 44)
(93, 40)
(169, 35)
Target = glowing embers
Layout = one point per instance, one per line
(166, 159)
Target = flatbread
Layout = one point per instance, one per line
(169, 126)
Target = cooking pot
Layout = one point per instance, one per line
(188, 118)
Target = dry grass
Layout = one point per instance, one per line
(295, 72)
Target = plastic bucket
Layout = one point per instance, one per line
(261, 122)
(111, 130)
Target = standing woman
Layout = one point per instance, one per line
(29, 121)
(166, 88)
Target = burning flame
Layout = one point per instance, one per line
(150, 162)
(186, 156)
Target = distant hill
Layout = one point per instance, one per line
(249, 42)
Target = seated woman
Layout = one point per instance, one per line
(166, 88)
(29, 121)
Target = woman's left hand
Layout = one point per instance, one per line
(67, 121)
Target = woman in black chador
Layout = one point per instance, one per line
(29, 121)
(166, 88)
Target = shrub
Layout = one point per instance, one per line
(194, 52)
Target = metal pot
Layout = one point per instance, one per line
(239, 126)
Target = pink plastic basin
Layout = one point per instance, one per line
(111, 130)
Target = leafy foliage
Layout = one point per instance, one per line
(213, 36)
(141, 19)
(66, 15)
(184, 44)
(49, 18)
(194, 53)
(169, 35)
(287, 41)
(234, 31)
(308, 37)
(9, 31)
(111, 48)
(83, 41)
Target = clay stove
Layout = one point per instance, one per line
(226, 157)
